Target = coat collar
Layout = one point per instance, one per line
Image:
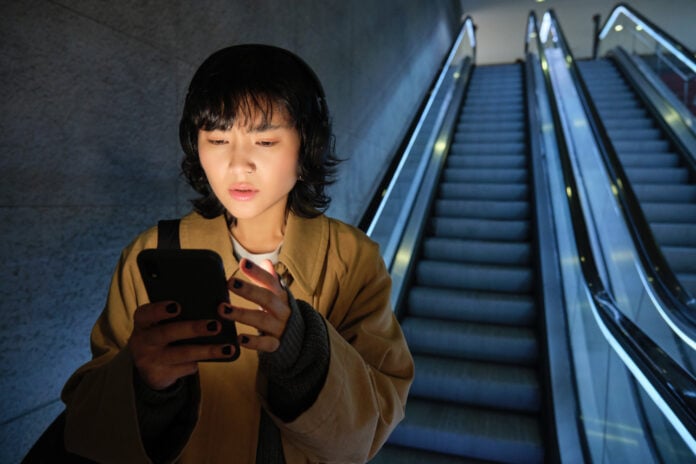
(303, 252)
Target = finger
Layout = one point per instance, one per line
(263, 321)
(263, 276)
(265, 343)
(262, 296)
(153, 313)
(276, 304)
(183, 354)
(166, 334)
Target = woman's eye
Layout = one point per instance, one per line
(265, 143)
(217, 141)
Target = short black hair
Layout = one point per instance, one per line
(243, 80)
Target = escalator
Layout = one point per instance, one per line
(659, 174)
(472, 313)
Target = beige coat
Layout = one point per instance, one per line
(331, 265)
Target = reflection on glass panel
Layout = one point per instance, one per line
(668, 59)
(389, 222)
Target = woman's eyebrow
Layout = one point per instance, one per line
(266, 126)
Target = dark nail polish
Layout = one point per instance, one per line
(227, 350)
(212, 326)
(245, 339)
(237, 283)
(171, 308)
(227, 310)
(248, 264)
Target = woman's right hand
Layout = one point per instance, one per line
(161, 364)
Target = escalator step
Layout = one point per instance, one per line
(688, 281)
(666, 193)
(468, 340)
(487, 278)
(477, 126)
(638, 123)
(493, 105)
(480, 191)
(488, 118)
(681, 259)
(619, 99)
(635, 134)
(481, 209)
(472, 306)
(682, 235)
(669, 213)
(656, 160)
(624, 114)
(489, 137)
(505, 148)
(490, 385)
(658, 175)
(640, 146)
(510, 176)
(476, 251)
(481, 229)
(484, 161)
(608, 107)
(464, 431)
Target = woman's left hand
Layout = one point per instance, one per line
(273, 311)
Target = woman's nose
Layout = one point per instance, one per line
(241, 160)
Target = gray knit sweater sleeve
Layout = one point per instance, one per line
(297, 370)
(166, 417)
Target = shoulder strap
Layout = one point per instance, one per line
(168, 233)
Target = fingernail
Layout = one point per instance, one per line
(245, 339)
(212, 326)
(227, 350)
(171, 308)
(227, 310)
(248, 264)
(237, 283)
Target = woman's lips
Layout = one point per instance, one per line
(243, 193)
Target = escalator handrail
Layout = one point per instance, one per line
(562, 396)
(675, 47)
(679, 307)
(671, 386)
(389, 249)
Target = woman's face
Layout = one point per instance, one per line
(252, 167)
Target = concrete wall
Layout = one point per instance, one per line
(91, 94)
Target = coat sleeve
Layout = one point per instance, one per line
(370, 368)
(101, 419)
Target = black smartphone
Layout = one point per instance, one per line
(196, 280)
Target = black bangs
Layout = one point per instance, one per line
(222, 112)
(239, 84)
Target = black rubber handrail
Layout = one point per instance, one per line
(378, 196)
(674, 385)
(688, 54)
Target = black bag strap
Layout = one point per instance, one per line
(168, 234)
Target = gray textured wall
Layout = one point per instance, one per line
(91, 93)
